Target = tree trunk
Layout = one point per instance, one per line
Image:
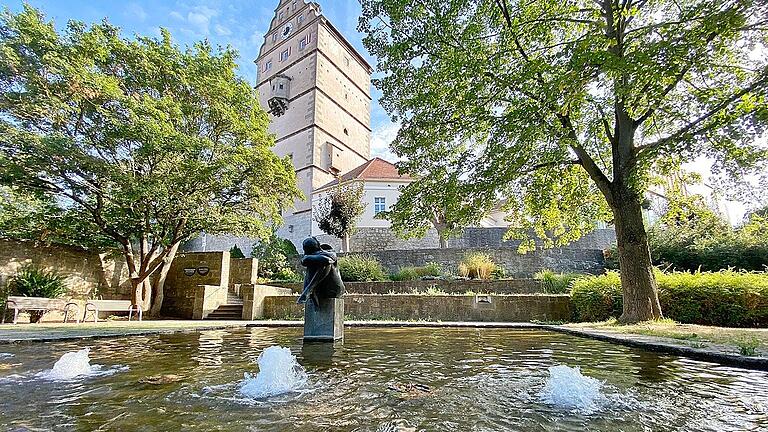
(345, 243)
(157, 304)
(641, 299)
(443, 241)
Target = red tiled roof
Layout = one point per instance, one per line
(375, 169)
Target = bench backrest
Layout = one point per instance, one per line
(111, 305)
(37, 302)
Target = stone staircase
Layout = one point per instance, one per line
(231, 310)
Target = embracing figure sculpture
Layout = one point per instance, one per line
(323, 279)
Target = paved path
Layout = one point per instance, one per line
(53, 331)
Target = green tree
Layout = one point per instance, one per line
(565, 107)
(276, 256)
(150, 143)
(437, 200)
(339, 209)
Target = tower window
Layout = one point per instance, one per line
(346, 132)
(282, 14)
(284, 55)
(346, 61)
(379, 205)
(274, 37)
(300, 19)
(268, 66)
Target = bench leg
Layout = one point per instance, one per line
(95, 314)
(15, 316)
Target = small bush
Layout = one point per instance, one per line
(31, 281)
(556, 283)
(727, 298)
(287, 275)
(478, 265)
(416, 273)
(276, 256)
(236, 253)
(361, 268)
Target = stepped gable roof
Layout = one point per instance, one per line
(375, 169)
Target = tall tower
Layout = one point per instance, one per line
(316, 87)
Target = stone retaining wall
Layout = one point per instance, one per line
(516, 265)
(510, 286)
(87, 274)
(512, 308)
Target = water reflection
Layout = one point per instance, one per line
(484, 380)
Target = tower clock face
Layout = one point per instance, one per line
(287, 30)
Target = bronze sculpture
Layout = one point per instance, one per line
(322, 280)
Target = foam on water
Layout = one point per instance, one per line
(279, 373)
(76, 364)
(4, 356)
(567, 388)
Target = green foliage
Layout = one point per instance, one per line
(415, 273)
(478, 265)
(287, 275)
(748, 347)
(711, 245)
(361, 268)
(236, 253)
(338, 211)
(564, 109)
(597, 298)
(277, 258)
(33, 281)
(437, 199)
(556, 283)
(148, 142)
(726, 298)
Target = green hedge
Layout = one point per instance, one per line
(361, 268)
(726, 298)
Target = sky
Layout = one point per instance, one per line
(240, 24)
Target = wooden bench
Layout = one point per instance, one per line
(97, 306)
(18, 303)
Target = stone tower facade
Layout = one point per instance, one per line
(316, 87)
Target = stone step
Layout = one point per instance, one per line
(227, 312)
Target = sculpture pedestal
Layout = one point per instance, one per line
(326, 322)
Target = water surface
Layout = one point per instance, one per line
(479, 380)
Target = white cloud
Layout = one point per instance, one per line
(222, 30)
(200, 17)
(381, 138)
(133, 10)
(176, 15)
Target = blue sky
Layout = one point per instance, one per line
(239, 23)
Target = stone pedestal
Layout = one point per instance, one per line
(324, 323)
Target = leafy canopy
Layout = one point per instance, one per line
(339, 209)
(564, 108)
(148, 142)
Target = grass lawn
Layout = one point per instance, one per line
(750, 342)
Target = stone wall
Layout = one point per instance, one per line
(376, 239)
(512, 308)
(87, 274)
(187, 273)
(516, 265)
(510, 286)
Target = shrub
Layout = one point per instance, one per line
(416, 273)
(361, 268)
(276, 256)
(478, 265)
(711, 247)
(726, 298)
(556, 283)
(287, 275)
(597, 298)
(236, 253)
(31, 281)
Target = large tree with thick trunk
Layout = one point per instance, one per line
(564, 108)
(149, 143)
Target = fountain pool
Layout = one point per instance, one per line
(379, 380)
